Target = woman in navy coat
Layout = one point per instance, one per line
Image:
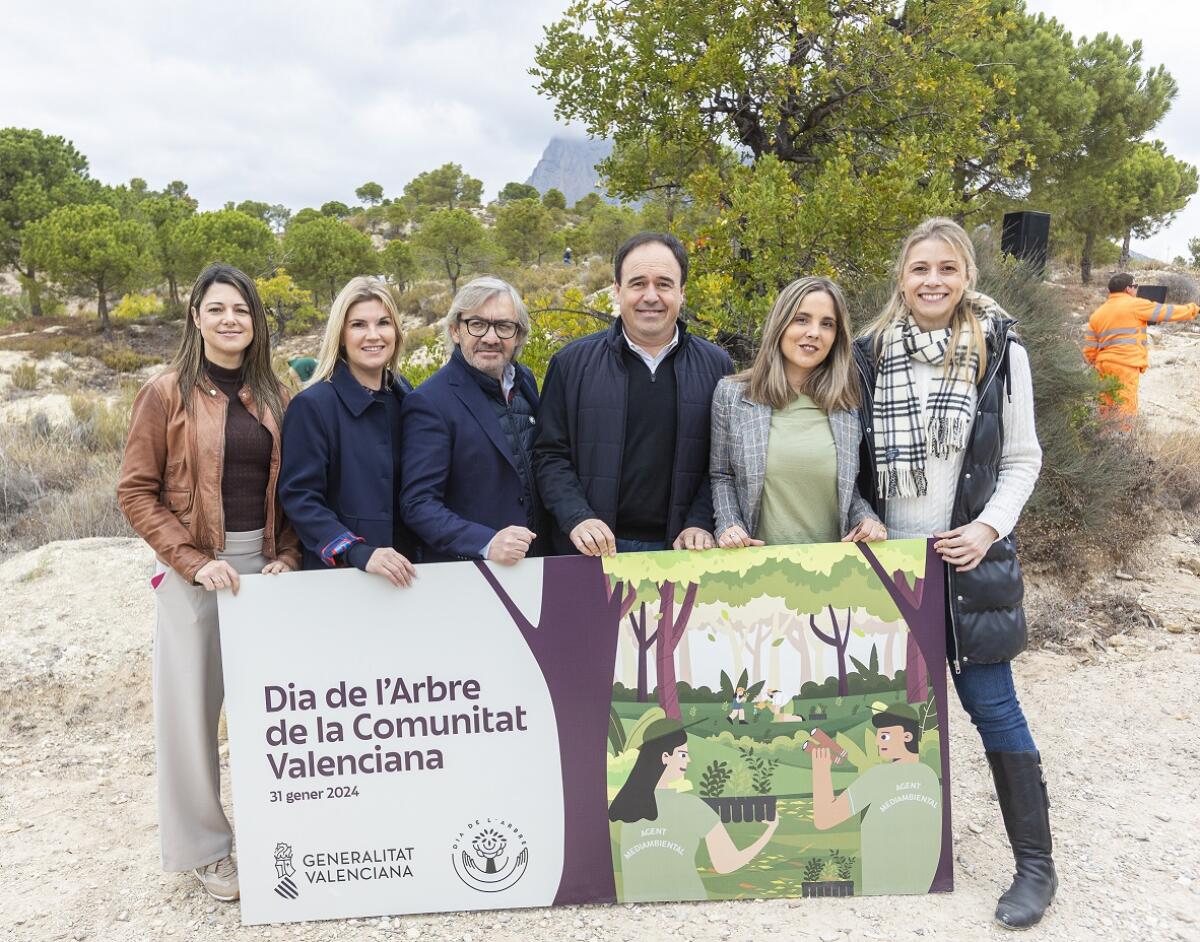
(339, 481)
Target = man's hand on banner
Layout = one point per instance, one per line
(694, 538)
(592, 537)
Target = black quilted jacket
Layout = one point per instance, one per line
(581, 432)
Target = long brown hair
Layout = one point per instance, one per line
(829, 384)
(256, 361)
(964, 317)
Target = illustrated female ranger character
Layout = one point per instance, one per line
(661, 827)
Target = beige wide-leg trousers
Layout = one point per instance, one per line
(188, 692)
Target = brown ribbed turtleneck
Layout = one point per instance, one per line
(247, 466)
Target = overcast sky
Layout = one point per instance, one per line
(301, 102)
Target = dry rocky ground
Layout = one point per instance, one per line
(1115, 715)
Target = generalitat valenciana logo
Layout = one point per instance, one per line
(284, 871)
(490, 855)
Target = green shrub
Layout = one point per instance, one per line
(12, 309)
(133, 306)
(124, 360)
(423, 355)
(25, 376)
(42, 345)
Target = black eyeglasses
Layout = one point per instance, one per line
(478, 327)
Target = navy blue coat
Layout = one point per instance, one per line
(581, 432)
(339, 472)
(461, 483)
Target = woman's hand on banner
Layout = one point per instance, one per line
(276, 566)
(867, 531)
(964, 547)
(394, 567)
(737, 536)
(217, 574)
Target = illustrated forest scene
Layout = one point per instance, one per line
(763, 656)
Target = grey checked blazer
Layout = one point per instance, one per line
(738, 460)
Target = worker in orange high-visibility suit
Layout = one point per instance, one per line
(1115, 343)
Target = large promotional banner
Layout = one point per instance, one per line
(654, 726)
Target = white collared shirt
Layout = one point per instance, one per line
(508, 381)
(652, 362)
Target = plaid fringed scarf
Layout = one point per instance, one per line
(901, 443)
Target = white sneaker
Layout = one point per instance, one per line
(220, 879)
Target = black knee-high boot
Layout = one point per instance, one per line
(1024, 804)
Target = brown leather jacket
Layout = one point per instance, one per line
(170, 484)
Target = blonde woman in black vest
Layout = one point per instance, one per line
(950, 452)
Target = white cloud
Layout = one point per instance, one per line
(291, 103)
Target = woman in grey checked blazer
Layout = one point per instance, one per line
(785, 434)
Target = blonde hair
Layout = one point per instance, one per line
(829, 384)
(356, 291)
(963, 318)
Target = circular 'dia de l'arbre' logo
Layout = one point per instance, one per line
(490, 855)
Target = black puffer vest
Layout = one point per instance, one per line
(516, 420)
(987, 618)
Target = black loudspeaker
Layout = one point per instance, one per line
(1155, 293)
(1026, 235)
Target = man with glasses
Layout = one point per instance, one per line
(1115, 343)
(622, 448)
(467, 486)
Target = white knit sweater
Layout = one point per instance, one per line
(1020, 461)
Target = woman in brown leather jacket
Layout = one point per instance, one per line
(198, 484)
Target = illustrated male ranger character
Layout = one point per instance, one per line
(468, 490)
(622, 449)
(901, 832)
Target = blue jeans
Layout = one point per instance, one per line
(639, 546)
(987, 693)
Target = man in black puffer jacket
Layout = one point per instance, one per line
(621, 456)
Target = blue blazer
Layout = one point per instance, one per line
(460, 479)
(338, 475)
